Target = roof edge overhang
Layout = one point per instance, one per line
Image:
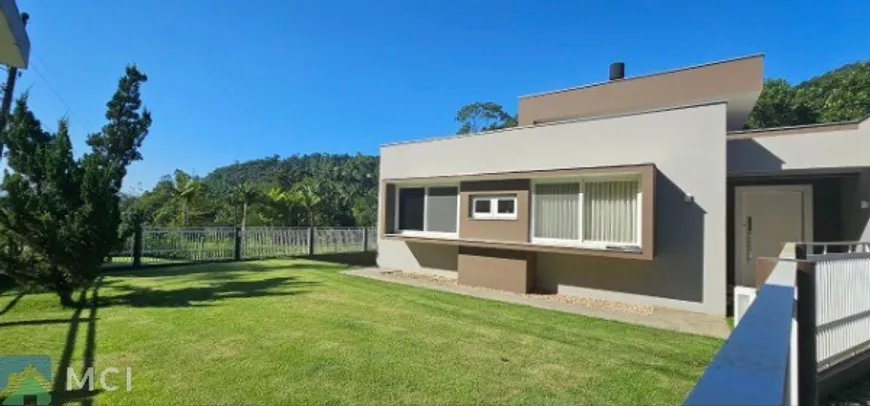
(739, 81)
(553, 123)
(14, 41)
(798, 129)
(644, 76)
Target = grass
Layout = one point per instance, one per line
(300, 332)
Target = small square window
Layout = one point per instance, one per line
(494, 207)
(482, 206)
(506, 206)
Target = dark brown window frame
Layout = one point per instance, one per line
(647, 173)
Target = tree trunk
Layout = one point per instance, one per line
(244, 216)
(66, 299)
(183, 213)
(63, 289)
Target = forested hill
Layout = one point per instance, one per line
(842, 94)
(359, 170)
(319, 189)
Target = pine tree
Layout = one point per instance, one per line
(59, 217)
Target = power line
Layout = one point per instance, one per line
(74, 114)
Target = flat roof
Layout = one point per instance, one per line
(575, 120)
(796, 129)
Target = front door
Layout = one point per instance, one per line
(766, 217)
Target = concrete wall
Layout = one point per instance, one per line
(508, 270)
(686, 144)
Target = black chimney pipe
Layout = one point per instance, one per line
(617, 71)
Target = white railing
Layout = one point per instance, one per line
(842, 306)
(758, 364)
(826, 306)
(822, 248)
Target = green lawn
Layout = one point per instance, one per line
(299, 332)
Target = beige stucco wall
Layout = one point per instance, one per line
(737, 80)
(687, 145)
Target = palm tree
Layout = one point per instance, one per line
(244, 195)
(280, 204)
(306, 194)
(185, 189)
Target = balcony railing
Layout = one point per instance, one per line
(803, 335)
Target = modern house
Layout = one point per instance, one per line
(14, 42)
(642, 190)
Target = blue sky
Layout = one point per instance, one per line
(237, 80)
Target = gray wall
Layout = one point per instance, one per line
(686, 144)
(856, 207)
(822, 151)
(805, 151)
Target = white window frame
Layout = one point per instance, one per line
(580, 242)
(493, 213)
(424, 233)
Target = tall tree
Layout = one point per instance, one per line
(243, 196)
(365, 209)
(59, 217)
(185, 189)
(307, 195)
(279, 207)
(839, 95)
(483, 116)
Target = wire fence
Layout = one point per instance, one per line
(269, 242)
(184, 245)
(336, 240)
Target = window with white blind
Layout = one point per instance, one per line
(427, 210)
(592, 212)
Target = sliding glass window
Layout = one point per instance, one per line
(427, 209)
(592, 212)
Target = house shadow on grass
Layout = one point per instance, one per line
(202, 296)
(219, 269)
(232, 270)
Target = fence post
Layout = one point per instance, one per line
(310, 241)
(137, 247)
(807, 331)
(365, 231)
(237, 244)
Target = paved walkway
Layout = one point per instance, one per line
(686, 322)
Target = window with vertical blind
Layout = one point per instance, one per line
(594, 212)
(557, 211)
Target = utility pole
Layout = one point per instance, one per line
(8, 94)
